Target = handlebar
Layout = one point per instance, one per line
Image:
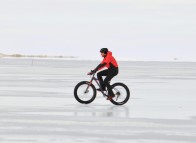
(91, 73)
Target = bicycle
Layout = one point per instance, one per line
(85, 92)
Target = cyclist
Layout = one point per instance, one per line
(109, 62)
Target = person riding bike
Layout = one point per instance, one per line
(109, 62)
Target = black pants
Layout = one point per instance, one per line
(109, 73)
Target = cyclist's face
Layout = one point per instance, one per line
(103, 54)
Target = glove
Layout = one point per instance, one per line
(92, 72)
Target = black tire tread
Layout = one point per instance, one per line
(76, 95)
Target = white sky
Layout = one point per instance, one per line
(132, 29)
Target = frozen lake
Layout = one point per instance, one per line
(37, 103)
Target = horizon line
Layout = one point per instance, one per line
(46, 56)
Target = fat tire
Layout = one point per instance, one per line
(127, 97)
(76, 95)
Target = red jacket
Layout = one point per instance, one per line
(109, 59)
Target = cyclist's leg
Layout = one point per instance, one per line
(111, 74)
(99, 76)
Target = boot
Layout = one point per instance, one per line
(110, 97)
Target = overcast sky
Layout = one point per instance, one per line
(132, 29)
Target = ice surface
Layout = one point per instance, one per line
(37, 103)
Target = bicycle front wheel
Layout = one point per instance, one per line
(121, 92)
(85, 93)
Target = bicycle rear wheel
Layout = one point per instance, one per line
(85, 93)
(121, 92)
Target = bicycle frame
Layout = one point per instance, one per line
(97, 81)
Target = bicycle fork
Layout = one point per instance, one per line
(89, 84)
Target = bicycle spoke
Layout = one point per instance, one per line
(120, 93)
(85, 93)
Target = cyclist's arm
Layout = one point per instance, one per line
(100, 66)
(103, 63)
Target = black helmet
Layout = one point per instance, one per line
(104, 50)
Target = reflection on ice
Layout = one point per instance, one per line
(97, 124)
(96, 111)
(100, 111)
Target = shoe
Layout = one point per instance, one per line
(100, 89)
(110, 97)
